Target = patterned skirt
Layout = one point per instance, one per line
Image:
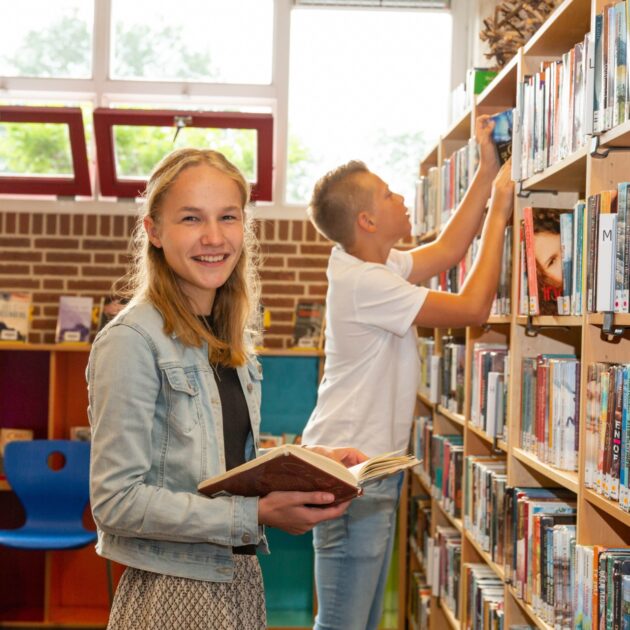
(147, 601)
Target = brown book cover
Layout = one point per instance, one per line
(292, 468)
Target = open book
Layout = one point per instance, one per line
(290, 467)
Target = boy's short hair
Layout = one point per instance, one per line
(337, 198)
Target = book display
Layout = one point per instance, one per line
(528, 518)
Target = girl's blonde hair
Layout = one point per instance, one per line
(234, 321)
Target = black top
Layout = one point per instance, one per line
(236, 422)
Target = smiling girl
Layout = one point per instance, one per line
(174, 398)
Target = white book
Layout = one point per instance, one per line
(491, 403)
(607, 232)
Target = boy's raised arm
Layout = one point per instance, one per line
(451, 245)
(471, 306)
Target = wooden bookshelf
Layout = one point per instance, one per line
(599, 520)
(450, 617)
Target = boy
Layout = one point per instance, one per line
(367, 395)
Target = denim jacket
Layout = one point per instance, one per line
(157, 431)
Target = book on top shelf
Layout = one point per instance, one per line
(15, 312)
(293, 468)
(74, 320)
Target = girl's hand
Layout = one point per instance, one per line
(293, 511)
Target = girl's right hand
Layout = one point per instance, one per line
(292, 511)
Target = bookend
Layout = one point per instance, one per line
(523, 194)
(610, 330)
(599, 153)
(532, 330)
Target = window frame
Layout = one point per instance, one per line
(105, 119)
(103, 91)
(79, 184)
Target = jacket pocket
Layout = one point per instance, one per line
(183, 399)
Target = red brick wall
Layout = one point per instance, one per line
(52, 255)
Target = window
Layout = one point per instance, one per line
(354, 86)
(218, 41)
(36, 41)
(359, 89)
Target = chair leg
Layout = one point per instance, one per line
(110, 582)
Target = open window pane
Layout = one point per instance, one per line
(43, 39)
(366, 85)
(43, 151)
(139, 148)
(130, 142)
(35, 149)
(218, 41)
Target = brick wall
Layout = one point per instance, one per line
(52, 255)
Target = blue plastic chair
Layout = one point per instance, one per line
(53, 500)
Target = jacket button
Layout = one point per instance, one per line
(250, 388)
(246, 538)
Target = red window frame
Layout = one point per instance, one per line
(106, 118)
(45, 185)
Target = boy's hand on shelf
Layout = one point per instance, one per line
(488, 157)
(342, 454)
(502, 199)
(298, 512)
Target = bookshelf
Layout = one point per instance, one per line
(43, 388)
(600, 521)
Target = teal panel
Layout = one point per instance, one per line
(289, 392)
(288, 572)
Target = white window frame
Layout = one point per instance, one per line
(105, 92)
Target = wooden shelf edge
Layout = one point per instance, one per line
(480, 433)
(460, 128)
(499, 319)
(564, 478)
(611, 508)
(485, 555)
(505, 74)
(502, 444)
(423, 399)
(597, 319)
(454, 417)
(448, 613)
(423, 479)
(574, 160)
(552, 320)
(529, 611)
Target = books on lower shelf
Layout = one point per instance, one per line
(74, 320)
(607, 431)
(445, 567)
(489, 382)
(293, 468)
(602, 586)
(15, 313)
(484, 597)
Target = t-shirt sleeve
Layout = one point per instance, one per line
(401, 262)
(385, 299)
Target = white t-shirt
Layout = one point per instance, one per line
(367, 395)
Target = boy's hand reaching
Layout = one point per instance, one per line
(502, 199)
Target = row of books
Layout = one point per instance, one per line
(554, 111)
(444, 572)
(452, 374)
(485, 481)
(550, 410)
(540, 535)
(76, 316)
(607, 432)
(484, 597)
(419, 600)
(490, 375)
(577, 261)
(445, 471)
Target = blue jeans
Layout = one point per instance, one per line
(352, 555)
